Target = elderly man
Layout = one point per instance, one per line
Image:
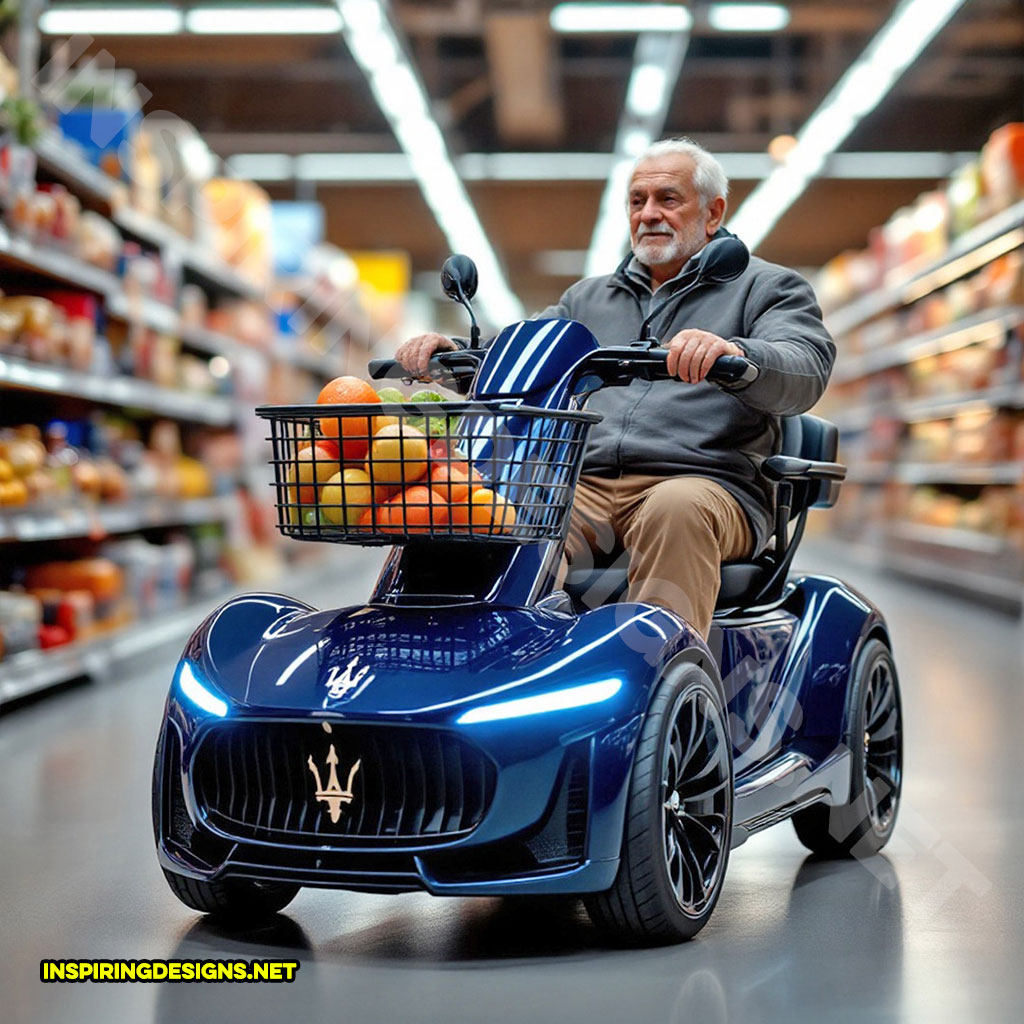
(670, 473)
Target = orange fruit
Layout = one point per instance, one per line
(416, 510)
(353, 432)
(398, 455)
(485, 512)
(452, 480)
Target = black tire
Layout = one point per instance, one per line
(646, 905)
(874, 737)
(233, 901)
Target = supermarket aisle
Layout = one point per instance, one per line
(935, 930)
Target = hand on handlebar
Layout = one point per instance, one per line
(415, 353)
(692, 353)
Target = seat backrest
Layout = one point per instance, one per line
(811, 437)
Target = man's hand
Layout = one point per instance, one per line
(691, 354)
(415, 353)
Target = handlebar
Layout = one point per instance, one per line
(621, 364)
(453, 369)
(613, 364)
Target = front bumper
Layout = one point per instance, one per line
(550, 822)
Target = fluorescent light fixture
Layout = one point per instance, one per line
(144, 20)
(557, 700)
(263, 20)
(400, 95)
(740, 17)
(646, 89)
(562, 167)
(197, 693)
(903, 37)
(657, 60)
(621, 18)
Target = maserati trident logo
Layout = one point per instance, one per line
(341, 682)
(332, 794)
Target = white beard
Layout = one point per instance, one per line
(655, 250)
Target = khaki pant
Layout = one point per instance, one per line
(676, 532)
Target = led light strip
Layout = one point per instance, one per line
(657, 61)
(403, 101)
(562, 167)
(913, 25)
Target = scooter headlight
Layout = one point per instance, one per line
(199, 692)
(556, 700)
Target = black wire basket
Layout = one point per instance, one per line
(389, 473)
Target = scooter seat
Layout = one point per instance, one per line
(590, 588)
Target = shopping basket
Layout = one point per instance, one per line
(389, 473)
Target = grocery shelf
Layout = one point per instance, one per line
(19, 253)
(299, 354)
(1006, 591)
(58, 158)
(953, 537)
(936, 473)
(971, 251)
(125, 392)
(968, 331)
(1004, 396)
(98, 521)
(31, 671)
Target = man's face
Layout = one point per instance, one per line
(668, 221)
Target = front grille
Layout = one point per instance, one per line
(563, 837)
(261, 781)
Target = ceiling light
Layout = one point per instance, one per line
(913, 25)
(741, 17)
(263, 20)
(151, 20)
(646, 89)
(657, 60)
(400, 95)
(622, 18)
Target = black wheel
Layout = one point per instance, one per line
(233, 901)
(875, 738)
(678, 819)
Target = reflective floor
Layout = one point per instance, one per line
(931, 931)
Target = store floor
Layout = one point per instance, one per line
(931, 931)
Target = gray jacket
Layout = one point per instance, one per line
(673, 428)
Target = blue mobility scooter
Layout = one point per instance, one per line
(471, 729)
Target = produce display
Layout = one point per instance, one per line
(400, 472)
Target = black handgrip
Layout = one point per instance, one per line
(380, 368)
(732, 370)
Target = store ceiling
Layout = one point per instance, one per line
(501, 81)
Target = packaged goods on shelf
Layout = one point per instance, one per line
(928, 388)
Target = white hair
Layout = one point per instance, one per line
(709, 179)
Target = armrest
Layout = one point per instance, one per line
(786, 467)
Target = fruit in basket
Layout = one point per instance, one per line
(345, 497)
(352, 432)
(454, 480)
(380, 422)
(398, 454)
(312, 467)
(390, 395)
(417, 509)
(485, 512)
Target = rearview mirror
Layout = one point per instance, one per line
(458, 278)
(722, 259)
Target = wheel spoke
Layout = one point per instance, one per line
(876, 774)
(695, 873)
(700, 831)
(887, 727)
(687, 795)
(691, 738)
(872, 797)
(881, 704)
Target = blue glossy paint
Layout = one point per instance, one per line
(453, 628)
